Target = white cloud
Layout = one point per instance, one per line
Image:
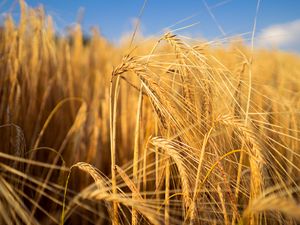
(283, 36)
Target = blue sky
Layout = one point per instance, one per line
(278, 21)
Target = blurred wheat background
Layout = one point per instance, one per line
(170, 131)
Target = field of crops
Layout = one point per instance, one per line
(165, 130)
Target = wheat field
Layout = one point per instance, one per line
(167, 131)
